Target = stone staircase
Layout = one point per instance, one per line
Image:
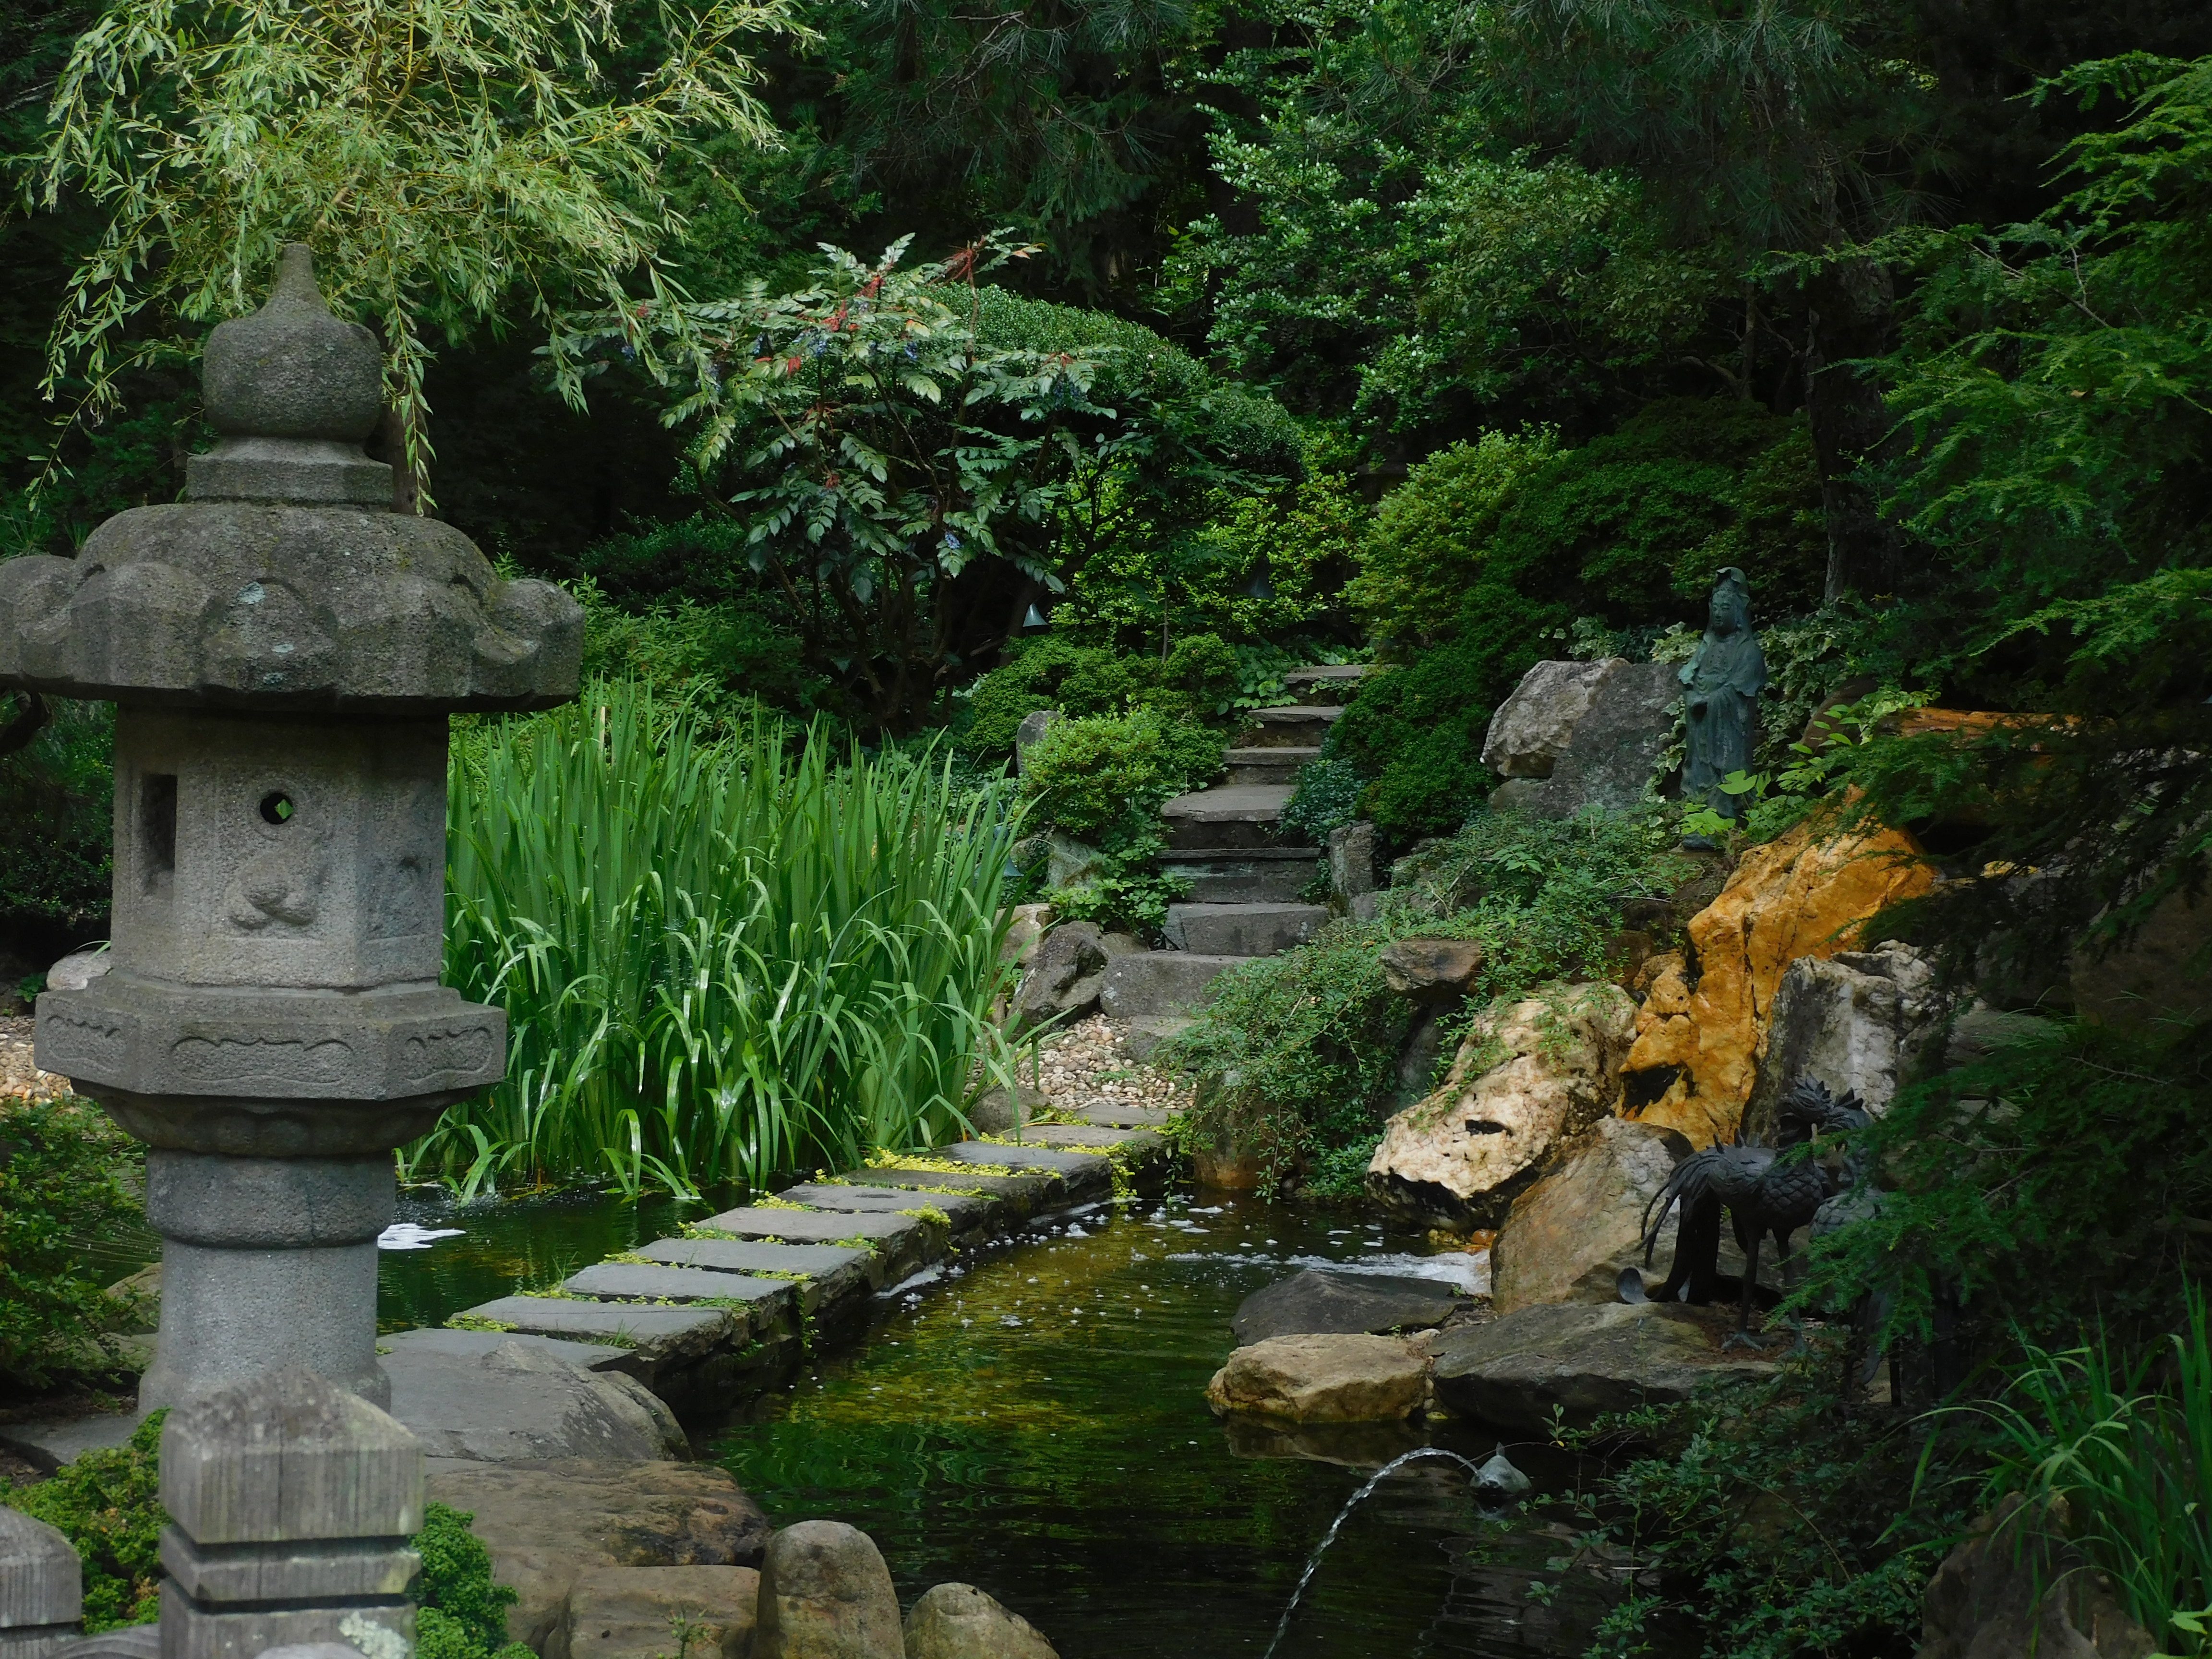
(1245, 882)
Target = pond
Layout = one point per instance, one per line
(1035, 1423)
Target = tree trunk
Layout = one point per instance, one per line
(1851, 316)
(388, 444)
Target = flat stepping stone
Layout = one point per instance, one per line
(439, 1339)
(1125, 1117)
(1023, 1195)
(831, 1270)
(1088, 1137)
(1320, 1302)
(902, 1243)
(963, 1212)
(626, 1281)
(1082, 1174)
(655, 1335)
(1244, 875)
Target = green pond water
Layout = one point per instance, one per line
(1033, 1421)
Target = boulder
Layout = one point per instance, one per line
(1002, 1111)
(1865, 1020)
(1702, 1030)
(1433, 970)
(1063, 978)
(521, 1402)
(826, 1594)
(1568, 1237)
(1614, 756)
(1318, 1301)
(1534, 726)
(1025, 931)
(1352, 860)
(1529, 1074)
(958, 1622)
(633, 1612)
(1984, 1602)
(547, 1524)
(1067, 860)
(1029, 733)
(1323, 1379)
(1585, 1359)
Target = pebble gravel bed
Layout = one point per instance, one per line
(1086, 1065)
(20, 1078)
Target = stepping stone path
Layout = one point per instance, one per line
(710, 1319)
(1246, 883)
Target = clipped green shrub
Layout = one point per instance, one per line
(1328, 795)
(1426, 545)
(1197, 680)
(63, 1165)
(1416, 731)
(1632, 525)
(721, 660)
(464, 1612)
(108, 1503)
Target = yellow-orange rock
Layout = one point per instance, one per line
(1808, 894)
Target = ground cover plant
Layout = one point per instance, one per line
(720, 959)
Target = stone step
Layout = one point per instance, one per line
(1090, 1137)
(1333, 683)
(1127, 1117)
(965, 1215)
(1244, 875)
(1277, 765)
(657, 1338)
(1160, 982)
(1242, 930)
(1082, 1174)
(833, 1268)
(902, 1243)
(1233, 814)
(633, 1281)
(1294, 725)
(1015, 1197)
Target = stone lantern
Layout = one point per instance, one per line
(283, 651)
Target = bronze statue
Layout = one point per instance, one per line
(1720, 704)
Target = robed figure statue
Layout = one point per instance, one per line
(1722, 682)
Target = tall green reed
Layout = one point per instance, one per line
(720, 961)
(2126, 1440)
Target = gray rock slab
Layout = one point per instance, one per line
(1246, 803)
(1299, 723)
(1082, 1175)
(520, 1402)
(49, 1443)
(1585, 1359)
(1318, 1301)
(1160, 983)
(655, 1335)
(42, 1579)
(901, 1243)
(1142, 1035)
(439, 1338)
(963, 1212)
(1243, 930)
(1086, 1136)
(630, 1281)
(1127, 1117)
(831, 1269)
(1534, 726)
(1020, 1196)
(1330, 682)
(1241, 876)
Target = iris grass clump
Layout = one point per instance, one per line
(720, 960)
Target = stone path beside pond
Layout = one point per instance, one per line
(701, 1324)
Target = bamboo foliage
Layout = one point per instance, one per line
(719, 961)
